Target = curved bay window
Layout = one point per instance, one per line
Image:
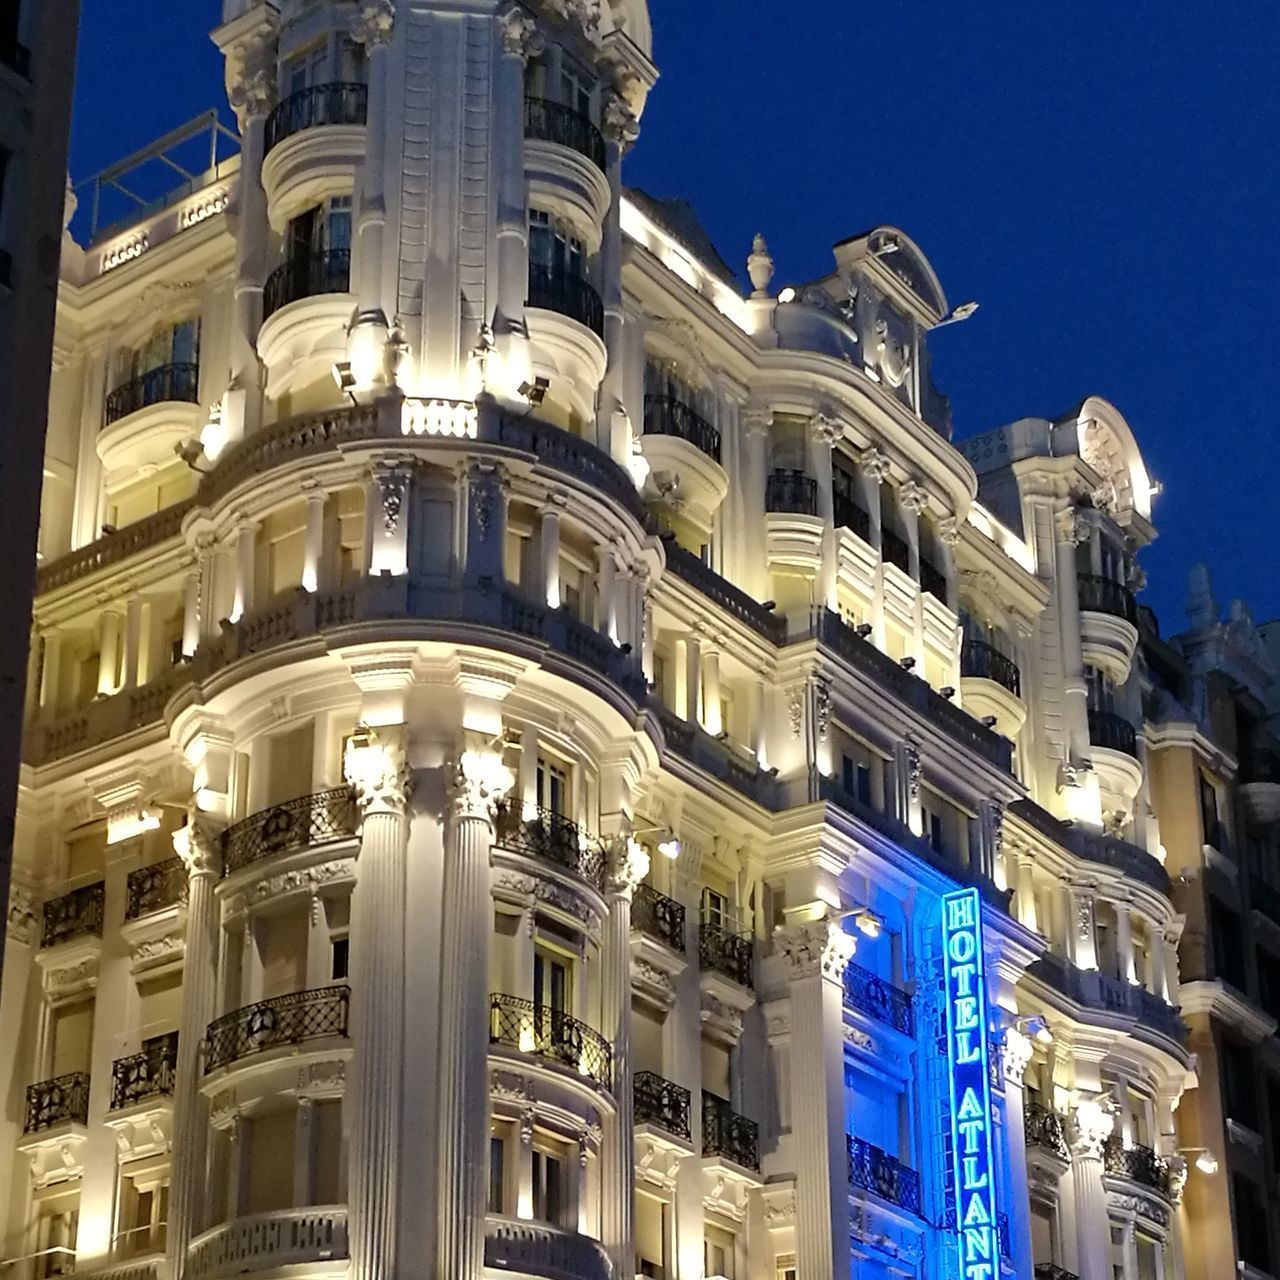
(164, 366)
(558, 273)
(674, 407)
(317, 256)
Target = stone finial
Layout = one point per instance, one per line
(760, 266)
(70, 203)
(1202, 604)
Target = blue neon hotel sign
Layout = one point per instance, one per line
(973, 1171)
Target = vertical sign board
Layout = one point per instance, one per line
(973, 1171)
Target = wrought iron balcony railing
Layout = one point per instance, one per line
(792, 493)
(985, 662)
(149, 1074)
(1050, 1271)
(63, 1100)
(883, 1175)
(74, 915)
(318, 1014)
(150, 889)
(285, 828)
(1105, 595)
(1138, 1164)
(726, 1133)
(894, 549)
(667, 416)
(1046, 1128)
(723, 951)
(1112, 732)
(733, 600)
(849, 515)
(658, 916)
(549, 837)
(546, 121)
(659, 1102)
(878, 999)
(170, 383)
(557, 290)
(306, 276)
(321, 104)
(551, 1034)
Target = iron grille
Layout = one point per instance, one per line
(1112, 732)
(658, 1101)
(557, 290)
(554, 122)
(296, 824)
(1137, 1163)
(306, 276)
(170, 382)
(667, 416)
(321, 104)
(878, 999)
(986, 662)
(1105, 595)
(726, 952)
(291, 1019)
(149, 1074)
(658, 916)
(883, 1175)
(153, 888)
(73, 915)
(726, 1133)
(551, 1034)
(62, 1100)
(550, 837)
(791, 492)
(1045, 1128)
(1048, 1271)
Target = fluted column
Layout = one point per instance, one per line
(873, 470)
(313, 538)
(628, 865)
(51, 670)
(191, 612)
(375, 766)
(372, 26)
(712, 719)
(914, 502)
(756, 423)
(246, 564)
(478, 783)
(199, 846)
(1091, 1126)
(549, 543)
(1124, 943)
(817, 955)
(110, 629)
(1017, 1054)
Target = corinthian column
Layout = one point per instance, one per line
(376, 767)
(628, 865)
(478, 783)
(1091, 1126)
(199, 846)
(817, 954)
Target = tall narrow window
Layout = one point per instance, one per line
(575, 92)
(497, 1174)
(548, 1187)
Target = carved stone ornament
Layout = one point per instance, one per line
(911, 763)
(1018, 1049)
(874, 464)
(1091, 1126)
(618, 124)
(1177, 1177)
(826, 429)
(756, 422)
(520, 36)
(1073, 526)
(304, 878)
(393, 486)
(822, 709)
(252, 95)
(723, 1015)
(23, 917)
(374, 23)
(479, 782)
(627, 864)
(487, 493)
(73, 976)
(795, 709)
(158, 951)
(649, 975)
(821, 946)
(949, 532)
(893, 358)
(199, 845)
(914, 497)
(379, 773)
(1084, 916)
(508, 1087)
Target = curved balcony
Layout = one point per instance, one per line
(549, 837)
(725, 1133)
(312, 276)
(177, 383)
(1112, 733)
(720, 950)
(567, 295)
(659, 1102)
(983, 661)
(1104, 595)
(146, 1075)
(668, 416)
(791, 493)
(991, 685)
(1137, 1164)
(849, 515)
(62, 1100)
(660, 917)
(1092, 989)
(733, 600)
(546, 121)
(538, 1249)
(685, 448)
(303, 823)
(320, 105)
(552, 1035)
(878, 999)
(874, 1170)
(154, 888)
(1260, 787)
(320, 1014)
(267, 1241)
(1108, 625)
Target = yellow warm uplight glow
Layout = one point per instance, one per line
(458, 418)
(1013, 546)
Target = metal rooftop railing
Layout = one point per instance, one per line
(143, 183)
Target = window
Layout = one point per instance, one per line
(340, 958)
(553, 249)
(305, 70)
(323, 229)
(142, 1212)
(785, 1267)
(553, 787)
(1100, 690)
(717, 910)
(1228, 950)
(855, 779)
(1149, 1257)
(57, 1221)
(1238, 1091)
(575, 92)
(548, 1186)
(1209, 821)
(1252, 1219)
(497, 1174)
(717, 1252)
(174, 343)
(651, 1236)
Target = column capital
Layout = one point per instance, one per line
(874, 464)
(913, 497)
(1091, 1126)
(23, 919)
(626, 864)
(252, 96)
(1018, 1049)
(825, 429)
(520, 36)
(375, 764)
(815, 947)
(478, 782)
(1072, 526)
(949, 531)
(373, 23)
(199, 845)
(756, 422)
(619, 124)
(1177, 1166)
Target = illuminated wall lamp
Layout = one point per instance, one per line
(867, 922)
(534, 392)
(1205, 1160)
(1034, 1027)
(668, 846)
(345, 379)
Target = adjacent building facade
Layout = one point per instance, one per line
(538, 763)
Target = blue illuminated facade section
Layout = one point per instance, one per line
(973, 1172)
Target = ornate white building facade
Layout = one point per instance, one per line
(538, 763)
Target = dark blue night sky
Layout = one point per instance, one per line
(1104, 178)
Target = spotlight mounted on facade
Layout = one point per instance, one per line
(958, 314)
(191, 451)
(1204, 1159)
(906, 663)
(863, 630)
(989, 721)
(668, 846)
(787, 295)
(345, 379)
(948, 691)
(535, 392)
(867, 922)
(1034, 1027)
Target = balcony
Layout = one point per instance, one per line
(1092, 989)
(1112, 733)
(791, 493)
(77, 914)
(1050, 1271)
(322, 104)
(538, 1249)
(552, 122)
(991, 687)
(145, 1075)
(63, 1100)
(722, 951)
(982, 661)
(878, 999)
(550, 1034)
(311, 276)
(667, 416)
(733, 600)
(1260, 786)
(1108, 625)
(177, 383)
(268, 1241)
(151, 889)
(871, 1169)
(1137, 1164)
(319, 1014)
(848, 515)
(1104, 595)
(1046, 1129)
(303, 823)
(549, 837)
(556, 290)
(727, 1134)
(657, 916)
(663, 1104)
